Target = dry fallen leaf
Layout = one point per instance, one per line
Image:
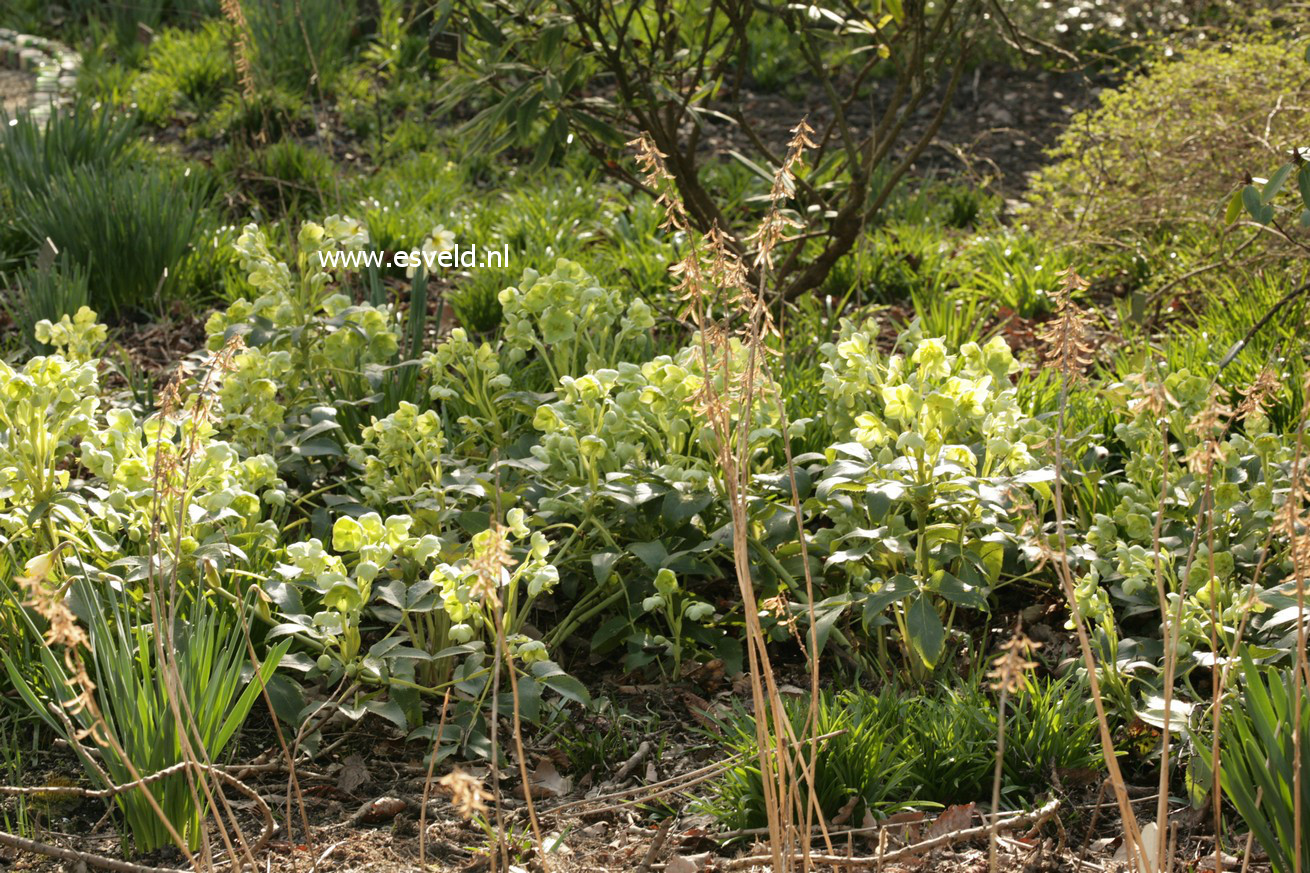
(844, 814)
(953, 818)
(688, 863)
(548, 782)
(383, 809)
(1150, 841)
(905, 825)
(353, 774)
(700, 708)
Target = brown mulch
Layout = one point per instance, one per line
(343, 791)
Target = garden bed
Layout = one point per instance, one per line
(589, 436)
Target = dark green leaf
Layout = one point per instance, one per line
(390, 710)
(602, 565)
(878, 503)
(318, 447)
(653, 554)
(894, 589)
(550, 674)
(826, 614)
(287, 697)
(927, 635)
(529, 695)
(1255, 207)
(679, 507)
(959, 592)
(1275, 183)
(611, 631)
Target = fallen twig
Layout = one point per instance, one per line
(1027, 819)
(634, 762)
(666, 786)
(655, 846)
(76, 857)
(265, 833)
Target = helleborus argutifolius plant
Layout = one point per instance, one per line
(570, 321)
(46, 407)
(341, 584)
(641, 416)
(472, 381)
(467, 595)
(77, 338)
(306, 341)
(400, 455)
(377, 566)
(222, 494)
(925, 487)
(1200, 559)
(674, 604)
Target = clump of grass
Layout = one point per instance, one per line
(131, 718)
(33, 154)
(299, 44)
(47, 293)
(130, 229)
(1013, 270)
(476, 305)
(187, 70)
(1264, 747)
(269, 114)
(869, 760)
(864, 760)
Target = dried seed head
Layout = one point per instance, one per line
(234, 14)
(491, 558)
(1257, 397)
(656, 176)
(466, 793)
(773, 228)
(1013, 664)
(170, 398)
(1150, 395)
(1067, 336)
(780, 608)
(1210, 425)
(63, 630)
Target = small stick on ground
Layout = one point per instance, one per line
(655, 845)
(75, 857)
(1028, 819)
(629, 766)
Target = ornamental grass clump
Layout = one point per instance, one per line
(95, 213)
(726, 309)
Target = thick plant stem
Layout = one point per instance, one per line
(1068, 347)
(996, 778)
